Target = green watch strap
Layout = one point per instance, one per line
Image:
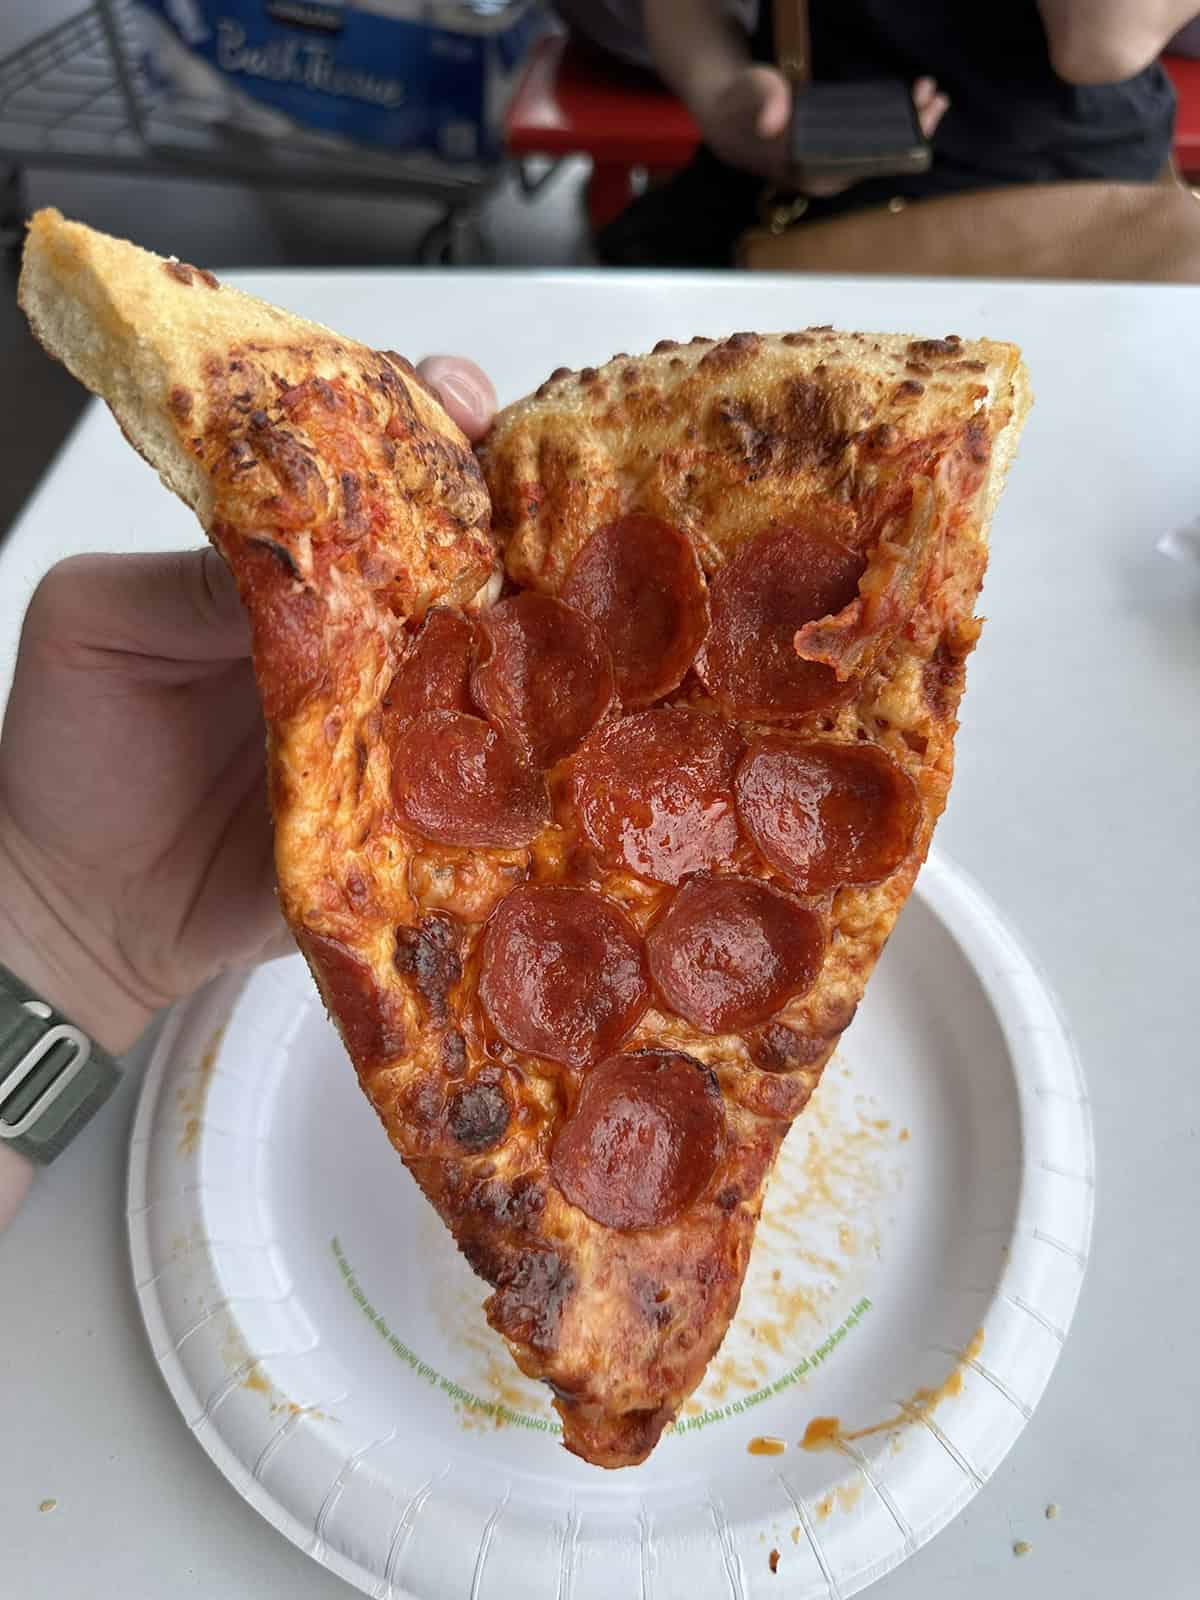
(53, 1079)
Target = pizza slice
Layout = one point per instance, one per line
(591, 854)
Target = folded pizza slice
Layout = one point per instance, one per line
(591, 858)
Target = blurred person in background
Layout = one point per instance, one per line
(1032, 91)
(617, 28)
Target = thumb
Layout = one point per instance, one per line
(177, 606)
(774, 96)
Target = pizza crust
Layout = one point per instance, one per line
(189, 366)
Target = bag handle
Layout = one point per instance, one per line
(793, 40)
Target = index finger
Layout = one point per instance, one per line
(464, 389)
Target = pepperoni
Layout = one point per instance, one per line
(728, 952)
(654, 792)
(645, 1138)
(544, 675)
(563, 975)
(639, 581)
(827, 814)
(355, 1000)
(457, 781)
(435, 675)
(784, 578)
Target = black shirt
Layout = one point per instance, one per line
(1011, 120)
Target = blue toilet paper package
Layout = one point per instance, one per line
(430, 76)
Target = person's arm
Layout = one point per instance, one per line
(742, 107)
(1105, 41)
(696, 46)
(49, 958)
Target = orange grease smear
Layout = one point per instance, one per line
(765, 1445)
(826, 1433)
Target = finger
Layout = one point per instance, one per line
(923, 92)
(465, 391)
(175, 606)
(930, 115)
(774, 103)
(16, 1171)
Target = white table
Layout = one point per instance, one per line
(1075, 806)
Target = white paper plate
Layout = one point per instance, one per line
(917, 1266)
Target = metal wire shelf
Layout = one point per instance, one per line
(78, 97)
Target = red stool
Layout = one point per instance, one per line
(1184, 73)
(569, 103)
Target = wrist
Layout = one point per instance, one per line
(16, 1172)
(44, 946)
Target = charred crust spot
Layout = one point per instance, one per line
(478, 1113)
(423, 1108)
(588, 375)
(777, 1048)
(921, 368)
(881, 438)
(559, 372)
(629, 375)
(280, 552)
(354, 519)
(653, 1301)
(180, 402)
(910, 387)
(184, 272)
(735, 351)
(454, 1055)
(664, 345)
(531, 1291)
(942, 678)
(797, 339)
(799, 431)
(239, 456)
(729, 1198)
(976, 440)
(933, 349)
(677, 363)
(967, 366)
(515, 1205)
(428, 954)
(405, 367)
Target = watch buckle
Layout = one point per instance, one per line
(62, 1033)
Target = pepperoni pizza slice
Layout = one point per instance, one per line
(591, 848)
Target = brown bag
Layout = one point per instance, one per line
(1144, 232)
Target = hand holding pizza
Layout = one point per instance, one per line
(135, 849)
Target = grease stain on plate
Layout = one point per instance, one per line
(827, 1433)
(766, 1445)
(191, 1094)
(236, 1356)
